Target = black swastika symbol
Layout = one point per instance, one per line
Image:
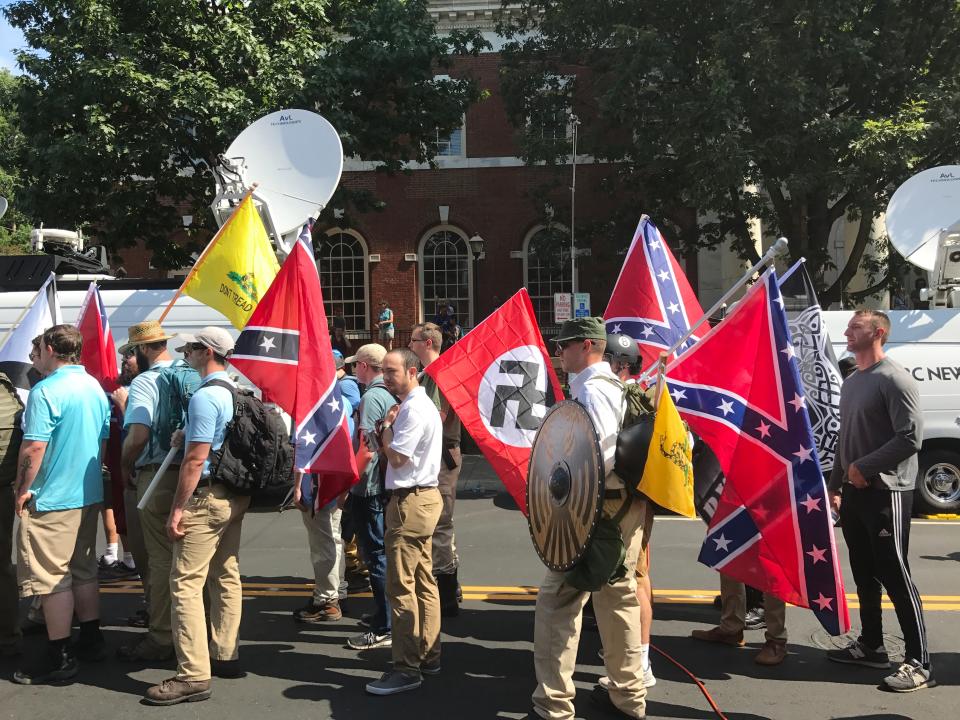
(526, 396)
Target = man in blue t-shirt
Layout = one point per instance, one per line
(204, 527)
(59, 491)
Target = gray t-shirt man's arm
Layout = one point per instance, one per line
(881, 427)
(374, 404)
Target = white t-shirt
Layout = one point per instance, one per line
(418, 434)
(603, 401)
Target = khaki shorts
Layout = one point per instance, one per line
(643, 562)
(56, 549)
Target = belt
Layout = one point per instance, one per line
(403, 492)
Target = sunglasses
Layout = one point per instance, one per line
(191, 347)
(564, 344)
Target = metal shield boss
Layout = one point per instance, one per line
(565, 484)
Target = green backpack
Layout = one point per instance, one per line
(175, 386)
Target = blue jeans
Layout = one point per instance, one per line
(368, 525)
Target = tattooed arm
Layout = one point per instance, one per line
(31, 455)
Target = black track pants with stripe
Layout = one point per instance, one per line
(876, 526)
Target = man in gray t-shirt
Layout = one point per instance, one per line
(871, 484)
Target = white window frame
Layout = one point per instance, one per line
(421, 255)
(365, 250)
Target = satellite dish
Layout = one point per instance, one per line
(920, 208)
(296, 158)
(3, 206)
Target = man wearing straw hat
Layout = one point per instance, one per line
(142, 456)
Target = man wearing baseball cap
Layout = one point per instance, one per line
(204, 527)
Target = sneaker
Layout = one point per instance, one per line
(55, 666)
(145, 649)
(366, 620)
(430, 668)
(859, 654)
(755, 620)
(116, 570)
(314, 614)
(393, 682)
(369, 640)
(910, 676)
(716, 635)
(174, 691)
(648, 679)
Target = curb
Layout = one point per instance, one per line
(941, 516)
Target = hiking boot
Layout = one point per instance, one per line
(145, 649)
(859, 654)
(175, 690)
(56, 665)
(910, 676)
(755, 620)
(227, 669)
(773, 652)
(369, 640)
(314, 614)
(393, 682)
(716, 635)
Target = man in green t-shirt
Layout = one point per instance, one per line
(426, 339)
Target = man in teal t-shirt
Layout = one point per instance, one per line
(59, 490)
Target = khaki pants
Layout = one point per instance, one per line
(159, 549)
(9, 596)
(733, 611)
(326, 553)
(445, 560)
(557, 632)
(211, 546)
(411, 588)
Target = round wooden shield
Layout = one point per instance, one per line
(565, 483)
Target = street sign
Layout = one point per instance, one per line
(581, 305)
(562, 307)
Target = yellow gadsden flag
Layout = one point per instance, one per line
(236, 268)
(668, 474)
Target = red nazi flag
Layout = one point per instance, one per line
(499, 381)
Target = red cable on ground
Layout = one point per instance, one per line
(699, 683)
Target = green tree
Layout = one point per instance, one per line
(126, 104)
(14, 228)
(798, 112)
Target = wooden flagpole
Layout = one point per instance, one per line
(206, 250)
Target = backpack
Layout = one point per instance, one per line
(176, 384)
(11, 434)
(257, 456)
(636, 432)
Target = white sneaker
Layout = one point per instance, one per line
(908, 678)
(648, 679)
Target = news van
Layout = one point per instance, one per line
(927, 344)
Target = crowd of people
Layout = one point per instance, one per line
(393, 531)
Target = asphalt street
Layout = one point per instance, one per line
(305, 671)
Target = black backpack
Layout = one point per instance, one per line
(256, 457)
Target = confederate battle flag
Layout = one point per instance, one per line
(739, 389)
(285, 350)
(652, 301)
(499, 380)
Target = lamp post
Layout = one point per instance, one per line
(476, 247)
(574, 123)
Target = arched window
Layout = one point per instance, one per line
(446, 273)
(342, 262)
(546, 260)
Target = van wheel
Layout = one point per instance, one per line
(938, 483)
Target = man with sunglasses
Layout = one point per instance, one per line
(581, 344)
(204, 526)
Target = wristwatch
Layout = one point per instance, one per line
(386, 425)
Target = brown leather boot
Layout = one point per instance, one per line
(773, 652)
(175, 690)
(716, 635)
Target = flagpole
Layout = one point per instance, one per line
(203, 255)
(779, 246)
(661, 379)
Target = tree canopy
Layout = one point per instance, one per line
(11, 240)
(796, 112)
(126, 105)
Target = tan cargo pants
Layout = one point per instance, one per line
(210, 548)
(411, 518)
(733, 610)
(556, 633)
(158, 548)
